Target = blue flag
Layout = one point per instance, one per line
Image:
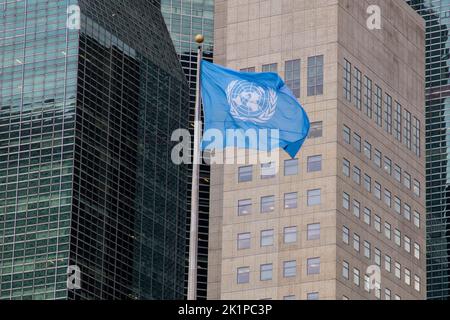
(243, 101)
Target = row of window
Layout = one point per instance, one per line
(291, 168)
(367, 285)
(385, 163)
(267, 203)
(267, 237)
(293, 77)
(289, 270)
(393, 118)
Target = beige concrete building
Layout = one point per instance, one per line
(354, 198)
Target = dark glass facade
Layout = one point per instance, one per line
(437, 16)
(185, 19)
(86, 177)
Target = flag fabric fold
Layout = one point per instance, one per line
(235, 100)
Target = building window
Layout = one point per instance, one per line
(289, 269)
(346, 201)
(397, 297)
(314, 163)
(313, 266)
(291, 297)
(368, 96)
(387, 263)
(315, 130)
(388, 114)
(347, 80)
(407, 244)
(368, 150)
(356, 208)
(313, 231)
(345, 270)
(356, 240)
(397, 173)
(367, 216)
(417, 283)
(357, 175)
(356, 277)
(377, 223)
(267, 238)
(346, 168)
(407, 130)
(243, 241)
(387, 294)
(272, 67)
(387, 230)
(313, 197)
(407, 211)
(290, 200)
(290, 235)
(397, 205)
(416, 188)
(417, 219)
(345, 235)
(312, 296)
(315, 75)
(416, 136)
(346, 133)
(377, 188)
(357, 142)
(387, 198)
(291, 167)
(377, 293)
(366, 283)
(398, 237)
(398, 270)
(268, 170)
(267, 204)
(377, 158)
(367, 183)
(245, 174)
(378, 106)
(377, 258)
(367, 249)
(247, 70)
(417, 251)
(407, 277)
(292, 73)
(266, 271)
(388, 165)
(243, 275)
(407, 180)
(398, 122)
(244, 207)
(358, 88)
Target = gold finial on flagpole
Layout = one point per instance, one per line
(199, 38)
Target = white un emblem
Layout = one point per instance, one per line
(250, 102)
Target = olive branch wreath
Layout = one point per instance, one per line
(264, 117)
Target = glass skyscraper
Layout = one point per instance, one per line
(185, 19)
(86, 177)
(437, 112)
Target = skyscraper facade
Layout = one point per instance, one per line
(437, 18)
(346, 218)
(185, 19)
(88, 103)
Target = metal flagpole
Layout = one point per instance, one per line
(193, 235)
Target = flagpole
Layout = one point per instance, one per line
(193, 234)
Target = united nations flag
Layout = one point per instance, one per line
(236, 100)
